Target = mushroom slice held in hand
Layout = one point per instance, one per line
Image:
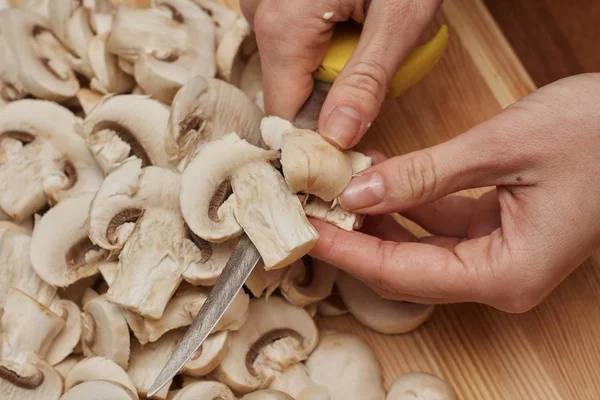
(64, 256)
(97, 390)
(275, 336)
(42, 159)
(34, 60)
(168, 44)
(377, 313)
(338, 362)
(307, 281)
(99, 369)
(127, 125)
(206, 390)
(212, 352)
(418, 385)
(68, 338)
(205, 110)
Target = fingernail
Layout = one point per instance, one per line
(363, 191)
(343, 125)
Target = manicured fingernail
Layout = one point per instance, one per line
(363, 191)
(343, 125)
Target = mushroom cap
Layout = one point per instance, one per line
(212, 352)
(307, 281)
(207, 270)
(214, 164)
(377, 313)
(114, 131)
(63, 257)
(275, 336)
(332, 306)
(45, 159)
(105, 331)
(347, 367)
(97, 390)
(99, 369)
(108, 77)
(419, 385)
(206, 390)
(267, 395)
(314, 392)
(38, 67)
(205, 110)
(69, 336)
(46, 385)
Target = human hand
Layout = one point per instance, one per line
(511, 247)
(293, 35)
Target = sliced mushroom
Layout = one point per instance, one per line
(168, 44)
(347, 367)
(127, 125)
(205, 110)
(234, 50)
(105, 331)
(100, 369)
(251, 80)
(67, 365)
(221, 16)
(88, 99)
(17, 271)
(307, 281)
(62, 257)
(261, 280)
(214, 258)
(108, 77)
(11, 226)
(311, 309)
(206, 390)
(42, 158)
(267, 395)
(148, 360)
(314, 392)
(78, 290)
(97, 390)
(37, 6)
(275, 336)
(212, 352)
(295, 382)
(332, 306)
(377, 313)
(418, 385)
(69, 336)
(35, 59)
(78, 36)
(41, 382)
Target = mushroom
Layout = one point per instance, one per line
(88, 99)
(100, 369)
(78, 36)
(204, 110)
(105, 331)
(97, 390)
(214, 258)
(77, 291)
(212, 352)
(311, 309)
(206, 390)
(41, 383)
(35, 62)
(267, 395)
(42, 158)
(418, 385)
(314, 392)
(147, 361)
(168, 44)
(347, 367)
(295, 382)
(334, 213)
(310, 163)
(275, 336)
(377, 313)
(108, 77)
(114, 131)
(307, 281)
(138, 210)
(37, 6)
(69, 336)
(234, 50)
(17, 271)
(332, 306)
(67, 365)
(221, 16)
(261, 280)
(251, 80)
(64, 256)
(276, 224)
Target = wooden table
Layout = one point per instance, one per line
(548, 353)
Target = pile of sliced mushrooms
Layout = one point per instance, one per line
(134, 152)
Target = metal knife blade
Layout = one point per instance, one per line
(234, 275)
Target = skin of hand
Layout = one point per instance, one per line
(511, 247)
(293, 35)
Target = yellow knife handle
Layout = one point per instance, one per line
(418, 64)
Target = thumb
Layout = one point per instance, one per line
(490, 154)
(391, 30)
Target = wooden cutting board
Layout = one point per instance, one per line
(551, 352)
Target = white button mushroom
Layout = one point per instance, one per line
(233, 52)
(209, 356)
(97, 390)
(206, 390)
(100, 369)
(295, 382)
(307, 281)
(267, 395)
(70, 335)
(418, 385)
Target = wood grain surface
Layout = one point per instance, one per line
(551, 352)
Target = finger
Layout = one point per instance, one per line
(377, 157)
(448, 216)
(391, 30)
(248, 8)
(292, 37)
(386, 228)
(486, 215)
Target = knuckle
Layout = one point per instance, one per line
(369, 78)
(417, 175)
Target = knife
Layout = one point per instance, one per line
(245, 256)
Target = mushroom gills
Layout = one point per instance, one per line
(210, 354)
(308, 281)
